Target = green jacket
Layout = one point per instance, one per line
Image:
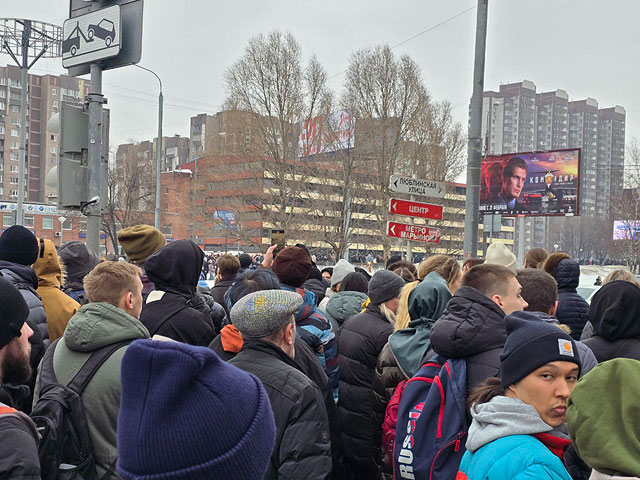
(94, 326)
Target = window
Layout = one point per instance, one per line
(29, 221)
(15, 144)
(15, 83)
(53, 138)
(3, 93)
(15, 121)
(15, 133)
(55, 104)
(47, 223)
(1, 130)
(2, 106)
(83, 225)
(3, 81)
(15, 108)
(7, 220)
(54, 91)
(14, 181)
(14, 168)
(53, 150)
(66, 225)
(13, 193)
(14, 157)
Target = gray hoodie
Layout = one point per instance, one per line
(502, 417)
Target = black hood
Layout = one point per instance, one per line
(78, 260)
(615, 311)
(22, 272)
(568, 274)
(176, 267)
(471, 323)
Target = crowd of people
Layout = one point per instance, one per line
(283, 370)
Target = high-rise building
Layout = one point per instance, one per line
(518, 119)
(45, 94)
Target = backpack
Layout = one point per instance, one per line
(66, 451)
(432, 422)
(389, 423)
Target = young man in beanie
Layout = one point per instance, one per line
(267, 324)
(515, 432)
(472, 325)
(220, 426)
(111, 317)
(362, 337)
(540, 291)
(78, 261)
(139, 243)
(18, 434)
(19, 250)
(292, 266)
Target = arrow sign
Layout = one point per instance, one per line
(418, 233)
(416, 186)
(415, 209)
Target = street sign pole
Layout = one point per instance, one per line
(26, 33)
(94, 208)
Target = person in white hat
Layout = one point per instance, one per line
(499, 254)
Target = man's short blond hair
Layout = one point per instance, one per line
(110, 281)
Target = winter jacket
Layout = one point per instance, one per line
(315, 330)
(603, 417)
(174, 309)
(303, 447)
(58, 306)
(614, 313)
(361, 340)
(402, 357)
(94, 326)
(18, 445)
(501, 444)
(220, 288)
(572, 308)
(76, 292)
(328, 293)
(217, 311)
(587, 358)
(342, 305)
(471, 327)
(317, 287)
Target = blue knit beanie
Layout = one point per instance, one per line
(186, 414)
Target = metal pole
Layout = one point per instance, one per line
(411, 222)
(26, 33)
(61, 230)
(159, 161)
(475, 138)
(347, 221)
(520, 251)
(94, 210)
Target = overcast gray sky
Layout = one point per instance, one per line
(586, 47)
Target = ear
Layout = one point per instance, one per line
(289, 334)
(497, 299)
(555, 308)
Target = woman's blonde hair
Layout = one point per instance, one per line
(445, 266)
(402, 315)
(624, 275)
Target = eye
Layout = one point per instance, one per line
(546, 376)
(572, 378)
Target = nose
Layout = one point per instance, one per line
(524, 303)
(29, 331)
(563, 389)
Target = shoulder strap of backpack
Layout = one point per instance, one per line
(47, 374)
(91, 366)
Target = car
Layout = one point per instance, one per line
(104, 29)
(71, 45)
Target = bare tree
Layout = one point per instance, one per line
(270, 82)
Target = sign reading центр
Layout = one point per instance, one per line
(415, 209)
(418, 233)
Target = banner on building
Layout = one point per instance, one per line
(224, 219)
(531, 184)
(325, 135)
(626, 230)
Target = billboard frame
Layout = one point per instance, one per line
(527, 215)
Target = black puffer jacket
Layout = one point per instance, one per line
(303, 448)
(318, 287)
(18, 446)
(220, 288)
(217, 311)
(174, 309)
(572, 308)
(471, 327)
(361, 340)
(615, 315)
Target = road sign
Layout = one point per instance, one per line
(419, 233)
(415, 209)
(91, 37)
(416, 186)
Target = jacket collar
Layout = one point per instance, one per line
(269, 348)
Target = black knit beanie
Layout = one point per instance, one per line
(13, 311)
(19, 245)
(531, 344)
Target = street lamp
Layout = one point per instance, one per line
(62, 220)
(555, 246)
(158, 149)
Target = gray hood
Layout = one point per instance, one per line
(501, 417)
(342, 305)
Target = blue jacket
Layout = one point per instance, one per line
(515, 457)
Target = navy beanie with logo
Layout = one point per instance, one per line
(186, 414)
(531, 344)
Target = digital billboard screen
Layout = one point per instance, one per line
(531, 184)
(325, 135)
(626, 230)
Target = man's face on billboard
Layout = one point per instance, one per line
(514, 184)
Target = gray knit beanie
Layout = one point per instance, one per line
(384, 285)
(341, 270)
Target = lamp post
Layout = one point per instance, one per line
(62, 220)
(158, 150)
